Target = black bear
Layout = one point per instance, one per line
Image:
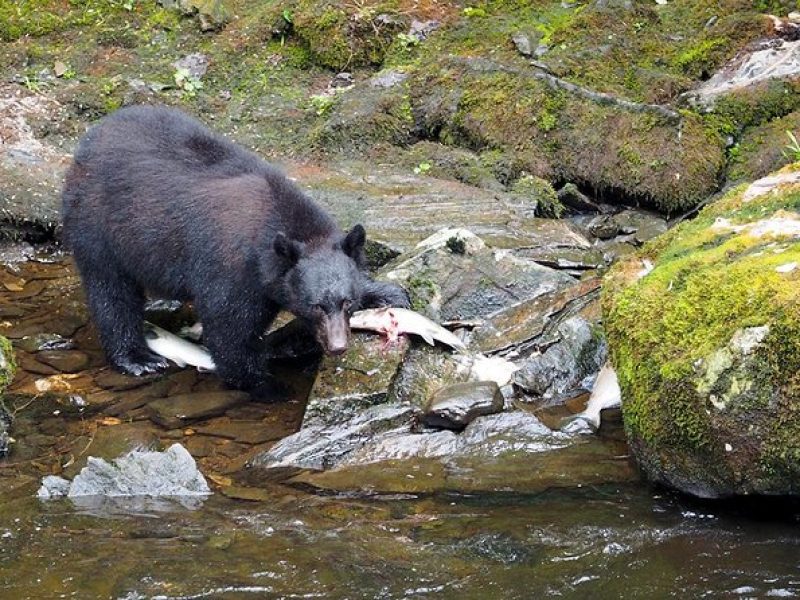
(156, 203)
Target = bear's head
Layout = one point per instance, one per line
(323, 284)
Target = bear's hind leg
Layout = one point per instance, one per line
(117, 306)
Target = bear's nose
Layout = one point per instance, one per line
(337, 349)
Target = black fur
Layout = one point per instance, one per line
(154, 202)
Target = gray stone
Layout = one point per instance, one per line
(456, 406)
(5, 425)
(321, 447)
(139, 473)
(567, 366)
(196, 64)
(769, 60)
(571, 197)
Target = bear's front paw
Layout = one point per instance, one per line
(140, 363)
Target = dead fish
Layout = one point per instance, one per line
(392, 322)
(605, 394)
(180, 351)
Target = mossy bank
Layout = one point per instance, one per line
(703, 327)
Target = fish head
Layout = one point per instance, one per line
(324, 287)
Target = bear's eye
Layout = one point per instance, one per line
(346, 304)
(318, 309)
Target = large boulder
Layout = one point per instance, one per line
(703, 326)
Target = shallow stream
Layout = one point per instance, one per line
(609, 540)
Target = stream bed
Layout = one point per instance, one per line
(280, 539)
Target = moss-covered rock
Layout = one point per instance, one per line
(707, 346)
(638, 152)
(342, 34)
(375, 111)
(764, 149)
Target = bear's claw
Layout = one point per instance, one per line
(143, 363)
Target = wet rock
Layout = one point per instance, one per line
(571, 197)
(320, 446)
(64, 361)
(43, 341)
(113, 380)
(706, 344)
(506, 452)
(247, 432)
(360, 378)
(524, 327)
(448, 285)
(456, 406)
(565, 367)
(420, 205)
(5, 426)
(139, 473)
(177, 411)
(128, 401)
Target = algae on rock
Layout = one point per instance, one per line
(706, 346)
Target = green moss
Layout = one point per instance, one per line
(421, 290)
(541, 194)
(8, 363)
(346, 35)
(699, 59)
(709, 283)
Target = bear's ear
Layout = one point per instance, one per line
(353, 242)
(291, 250)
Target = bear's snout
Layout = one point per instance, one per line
(333, 333)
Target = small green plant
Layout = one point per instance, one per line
(287, 16)
(32, 83)
(474, 12)
(422, 168)
(128, 5)
(408, 40)
(792, 149)
(322, 103)
(187, 83)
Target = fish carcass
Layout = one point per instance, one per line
(605, 394)
(180, 351)
(392, 322)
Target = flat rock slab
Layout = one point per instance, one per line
(177, 411)
(402, 208)
(456, 406)
(320, 447)
(507, 452)
(65, 361)
(524, 322)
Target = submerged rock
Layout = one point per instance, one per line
(456, 406)
(706, 345)
(139, 473)
(176, 411)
